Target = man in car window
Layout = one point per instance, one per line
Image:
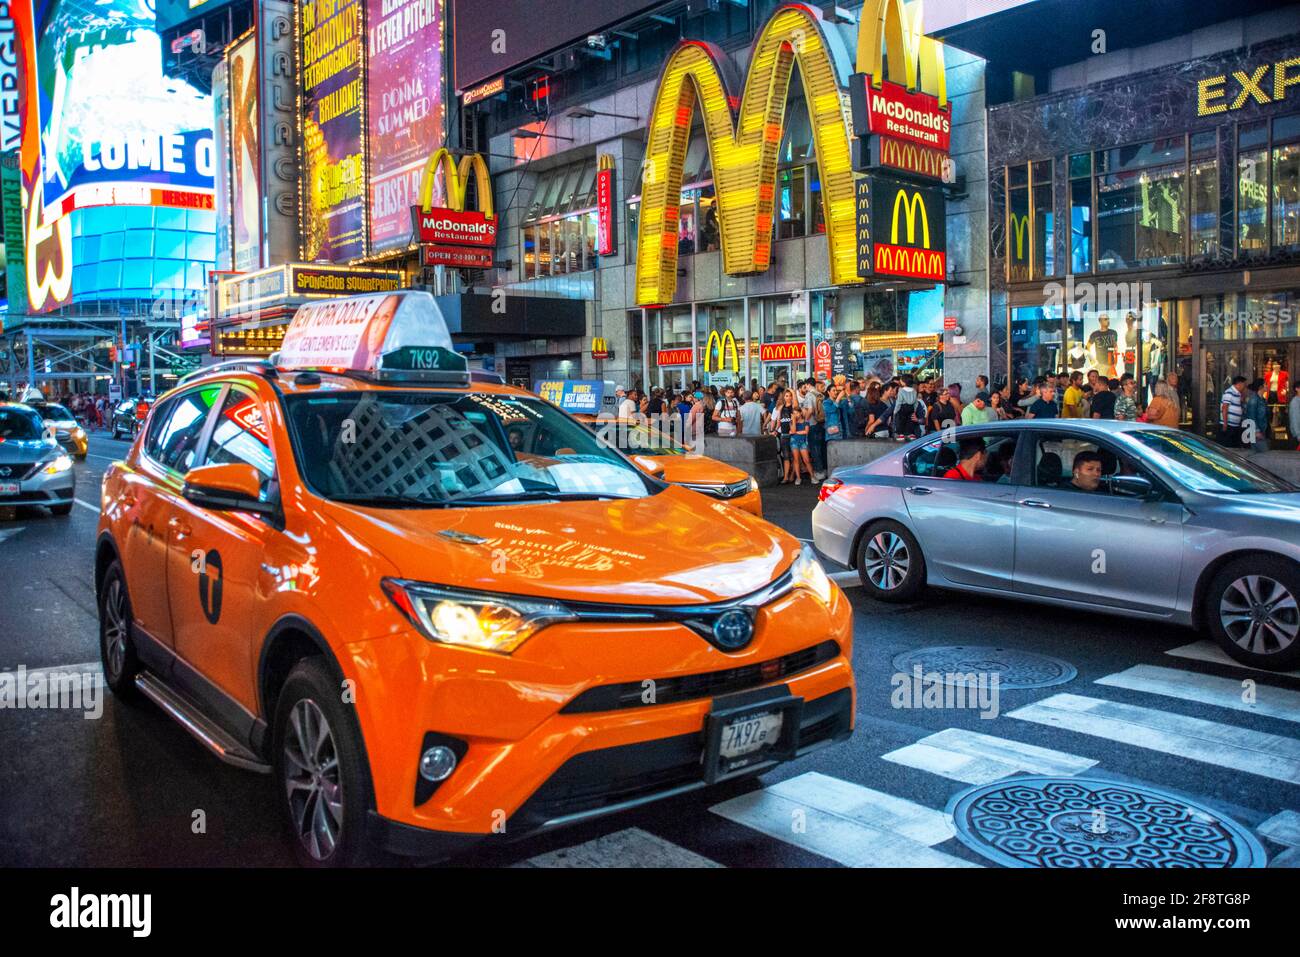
(1087, 472)
(970, 461)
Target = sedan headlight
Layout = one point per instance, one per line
(57, 465)
(808, 573)
(470, 619)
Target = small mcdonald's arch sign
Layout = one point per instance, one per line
(901, 230)
(600, 348)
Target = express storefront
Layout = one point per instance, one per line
(1165, 236)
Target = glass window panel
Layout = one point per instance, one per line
(815, 200)
(686, 224)
(589, 225)
(1252, 203)
(1035, 342)
(1044, 247)
(796, 143)
(138, 217)
(1286, 196)
(1018, 176)
(196, 275)
(1042, 171)
(168, 274)
(1081, 164)
(203, 247)
(1162, 151)
(137, 276)
(791, 203)
(529, 240)
(633, 215)
(1204, 144)
(1081, 225)
(1252, 136)
(710, 235)
(1286, 128)
(696, 169)
(1205, 209)
(543, 249)
(202, 220)
(675, 327)
(167, 218)
(574, 242)
(139, 242)
(169, 243)
(1140, 218)
(584, 190)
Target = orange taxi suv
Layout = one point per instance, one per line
(342, 570)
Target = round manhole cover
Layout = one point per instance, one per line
(954, 664)
(1036, 821)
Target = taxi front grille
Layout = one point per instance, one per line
(638, 694)
(734, 490)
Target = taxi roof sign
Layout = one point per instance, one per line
(391, 336)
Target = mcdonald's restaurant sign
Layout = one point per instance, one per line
(902, 230)
(783, 352)
(899, 79)
(600, 349)
(451, 235)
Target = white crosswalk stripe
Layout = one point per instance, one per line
(1282, 828)
(1223, 745)
(1267, 700)
(631, 847)
(1209, 651)
(975, 758)
(846, 823)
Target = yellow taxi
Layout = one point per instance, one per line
(342, 569)
(675, 462)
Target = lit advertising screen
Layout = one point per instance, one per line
(246, 192)
(333, 99)
(405, 109)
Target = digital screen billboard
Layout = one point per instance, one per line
(330, 80)
(173, 13)
(102, 127)
(245, 160)
(405, 109)
(490, 38)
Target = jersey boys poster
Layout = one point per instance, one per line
(405, 109)
(330, 62)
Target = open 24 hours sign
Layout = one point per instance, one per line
(450, 237)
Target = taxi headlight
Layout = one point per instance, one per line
(753, 485)
(808, 573)
(471, 619)
(57, 465)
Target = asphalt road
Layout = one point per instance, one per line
(131, 787)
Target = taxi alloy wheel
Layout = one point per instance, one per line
(321, 766)
(116, 651)
(890, 563)
(312, 780)
(1253, 611)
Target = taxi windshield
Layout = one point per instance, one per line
(635, 438)
(430, 449)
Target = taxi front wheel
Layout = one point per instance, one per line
(115, 649)
(319, 767)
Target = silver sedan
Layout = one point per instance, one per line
(1123, 517)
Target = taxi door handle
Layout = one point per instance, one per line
(1035, 503)
(182, 530)
(920, 490)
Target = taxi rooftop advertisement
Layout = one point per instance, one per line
(854, 446)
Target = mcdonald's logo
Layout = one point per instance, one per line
(443, 231)
(744, 134)
(912, 208)
(717, 348)
(1018, 230)
(912, 219)
(600, 349)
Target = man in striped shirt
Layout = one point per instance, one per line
(1230, 412)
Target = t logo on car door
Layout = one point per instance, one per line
(210, 586)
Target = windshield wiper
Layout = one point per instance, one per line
(537, 495)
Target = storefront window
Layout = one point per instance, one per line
(1286, 182)
(530, 252)
(1044, 258)
(792, 202)
(1252, 190)
(1035, 342)
(1140, 216)
(1019, 237)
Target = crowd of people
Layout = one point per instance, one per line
(808, 415)
(1245, 421)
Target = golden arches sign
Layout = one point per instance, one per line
(455, 180)
(719, 346)
(910, 207)
(744, 136)
(914, 60)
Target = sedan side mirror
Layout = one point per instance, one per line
(1132, 486)
(230, 487)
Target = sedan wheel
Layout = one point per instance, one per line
(890, 563)
(1252, 607)
(887, 561)
(1260, 614)
(312, 780)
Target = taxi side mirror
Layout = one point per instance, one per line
(648, 465)
(233, 486)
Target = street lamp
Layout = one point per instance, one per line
(584, 113)
(533, 134)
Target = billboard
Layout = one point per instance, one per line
(9, 125)
(333, 101)
(245, 159)
(221, 130)
(278, 103)
(406, 112)
(173, 13)
(902, 230)
(483, 51)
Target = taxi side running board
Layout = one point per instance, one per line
(188, 716)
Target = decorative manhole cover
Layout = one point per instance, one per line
(1035, 821)
(1015, 669)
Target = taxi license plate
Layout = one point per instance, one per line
(9, 488)
(748, 729)
(749, 734)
